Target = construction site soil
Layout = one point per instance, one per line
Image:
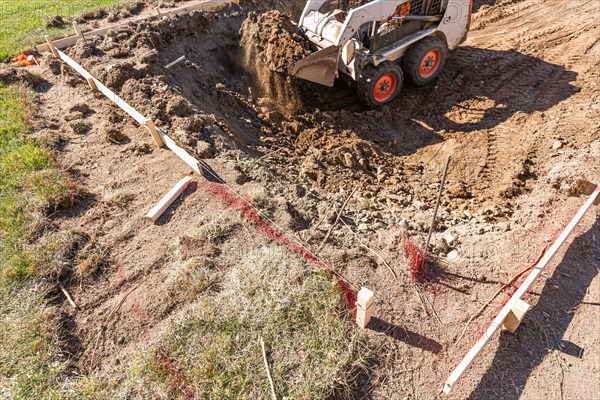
(516, 109)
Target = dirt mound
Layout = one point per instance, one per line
(13, 75)
(274, 40)
(271, 44)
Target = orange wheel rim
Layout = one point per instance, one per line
(430, 63)
(385, 87)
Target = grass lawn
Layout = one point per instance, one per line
(29, 182)
(22, 22)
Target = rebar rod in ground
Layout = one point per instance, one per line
(437, 204)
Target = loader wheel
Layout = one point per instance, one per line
(379, 85)
(424, 61)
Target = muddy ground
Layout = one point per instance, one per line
(516, 110)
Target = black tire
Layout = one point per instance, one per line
(380, 85)
(427, 51)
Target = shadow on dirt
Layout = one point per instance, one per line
(411, 338)
(479, 89)
(545, 324)
(478, 3)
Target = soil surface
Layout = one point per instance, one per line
(516, 109)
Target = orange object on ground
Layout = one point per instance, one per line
(24, 60)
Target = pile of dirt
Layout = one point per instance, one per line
(271, 44)
(274, 39)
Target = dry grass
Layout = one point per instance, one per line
(313, 347)
(116, 198)
(215, 230)
(89, 260)
(188, 279)
(52, 255)
(28, 345)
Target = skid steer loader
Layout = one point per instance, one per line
(375, 44)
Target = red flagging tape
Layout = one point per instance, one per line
(417, 260)
(275, 235)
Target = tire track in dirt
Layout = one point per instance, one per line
(519, 55)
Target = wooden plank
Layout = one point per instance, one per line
(51, 46)
(170, 143)
(516, 297)
(71, 40)
(364, 307)
(181, 153)
(169, 199)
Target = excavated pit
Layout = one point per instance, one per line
(227, 95)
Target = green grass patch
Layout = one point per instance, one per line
(29, 184)
(23, 22)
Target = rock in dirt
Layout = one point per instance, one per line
(458, 190)
(139, 149)
(114, 135)
(450, 238)
(204, 149)
(453, 256)
(179, 107)
(80, 107)
(557, 145)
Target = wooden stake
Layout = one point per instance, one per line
(92, 83)
(262, 345)
(155, 135)
(169, 198)
(515, 316)
(364, 307)
(67, 295)
(77, 30)
(51, 46)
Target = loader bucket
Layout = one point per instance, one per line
(320, 67)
